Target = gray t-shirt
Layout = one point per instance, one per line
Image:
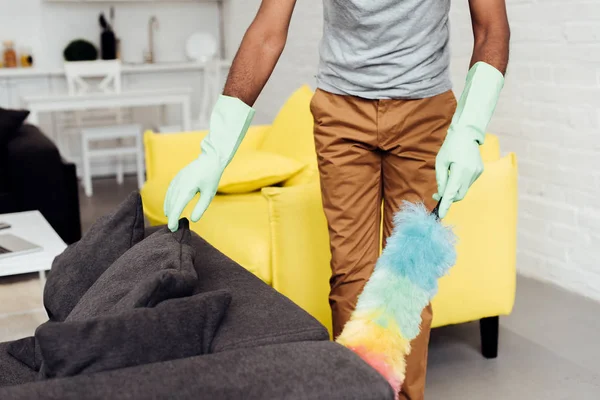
(382, 49)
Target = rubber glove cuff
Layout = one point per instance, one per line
(458, 163)
(477, 102)
(229, 122)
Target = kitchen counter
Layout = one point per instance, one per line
(128, 68)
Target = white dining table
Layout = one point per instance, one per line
(134, 98)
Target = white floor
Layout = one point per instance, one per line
(548, 350)
(21, 307)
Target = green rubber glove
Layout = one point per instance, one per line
(229, 123)
(458, 163)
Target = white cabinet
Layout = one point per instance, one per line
(27, 86)
(4, 94)
(13, 89)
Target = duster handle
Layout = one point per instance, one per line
(436, 210)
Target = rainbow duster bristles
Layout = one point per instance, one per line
(388, 313)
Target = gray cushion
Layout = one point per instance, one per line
(12, 371)
(27, 351)
(174, 329)
(258, 315)
(297, 371)
(81, 264)
(158, 268)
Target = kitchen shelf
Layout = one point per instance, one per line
(128, 68)
(222, 51)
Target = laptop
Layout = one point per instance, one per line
(11, 245)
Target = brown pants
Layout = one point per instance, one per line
(369, 152)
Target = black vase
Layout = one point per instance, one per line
(108, 45)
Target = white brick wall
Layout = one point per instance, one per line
(298, 63)
(549, 114)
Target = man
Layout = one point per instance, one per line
(387, 126)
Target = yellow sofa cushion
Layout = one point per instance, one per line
(483, 281)
(167, 153)
(291, 133)
(490, 149)
(309, 174)
(237, 225)
(254, 170)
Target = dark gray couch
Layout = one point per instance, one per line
(265, 348)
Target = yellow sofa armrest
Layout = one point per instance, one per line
(483, 281)
(300, 255)
(291, 133)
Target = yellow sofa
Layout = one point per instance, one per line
(280, 233)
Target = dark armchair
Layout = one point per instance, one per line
(33, 176)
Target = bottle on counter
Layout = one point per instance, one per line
(10, 55)
(26, 58)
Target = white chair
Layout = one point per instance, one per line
(78, 81)
(212, 87)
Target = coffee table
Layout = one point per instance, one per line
(33, 227)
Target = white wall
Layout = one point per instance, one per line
(549, 115)
(48, 27)
(298, 63)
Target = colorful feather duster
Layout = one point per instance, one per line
(388, 313)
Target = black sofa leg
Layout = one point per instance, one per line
(488, 328)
